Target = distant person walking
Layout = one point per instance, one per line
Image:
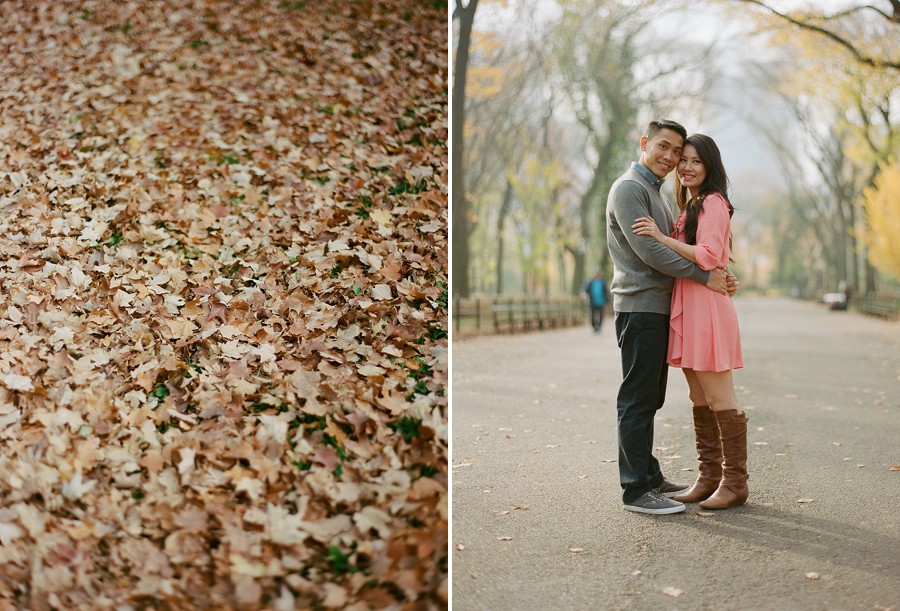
(598, 296)
(642, 296)
(704, 338)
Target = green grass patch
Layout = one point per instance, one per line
(340, 562)
(407, 427)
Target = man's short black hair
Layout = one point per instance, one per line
(655, 126)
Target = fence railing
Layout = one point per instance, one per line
(883, 305)
(507, 314)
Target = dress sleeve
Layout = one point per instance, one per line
(713, 227)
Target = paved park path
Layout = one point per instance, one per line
(537, 517)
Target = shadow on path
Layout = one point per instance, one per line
(824, 540)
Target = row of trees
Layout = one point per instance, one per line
(549, 100)
(839, 86)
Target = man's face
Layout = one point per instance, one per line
(661, 153)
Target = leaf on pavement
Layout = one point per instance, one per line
(675, 592)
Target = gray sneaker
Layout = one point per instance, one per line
(654, 502)
(670, 489)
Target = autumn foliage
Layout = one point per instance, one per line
(882, 207)
(224, 305)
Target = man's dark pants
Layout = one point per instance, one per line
(597, 316)
(644, 340)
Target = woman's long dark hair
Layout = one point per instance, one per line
(716, 181)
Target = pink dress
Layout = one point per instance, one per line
(704, 333)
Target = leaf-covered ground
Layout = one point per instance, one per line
(223, 304)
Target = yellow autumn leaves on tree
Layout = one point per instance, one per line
(882, 207)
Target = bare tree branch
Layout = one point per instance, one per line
(858, 9)
(860, 56)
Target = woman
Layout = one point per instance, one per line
(704, 339)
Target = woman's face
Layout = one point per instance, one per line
(691, 170)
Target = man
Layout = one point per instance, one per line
(642, 293)
(597, 297)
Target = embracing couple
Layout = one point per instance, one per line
(672, 302)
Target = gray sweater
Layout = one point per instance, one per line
(644, 268)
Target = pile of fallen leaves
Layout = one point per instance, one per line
(223, 347)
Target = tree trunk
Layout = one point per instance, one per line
(599, 182)
(501, 238)
(460, 215)
(871, 278)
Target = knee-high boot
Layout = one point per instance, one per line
(709, 456)
(733, 489)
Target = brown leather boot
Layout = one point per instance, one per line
(709, 456)
(733, 489)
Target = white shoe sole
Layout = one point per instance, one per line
(661, 511)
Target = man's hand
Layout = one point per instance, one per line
(717, 281)
(733, 284)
